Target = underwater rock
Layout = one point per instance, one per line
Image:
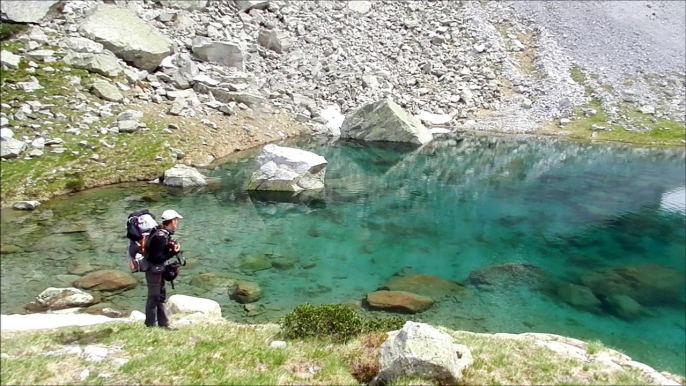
(211, 281)
(625, 307)
(284, 262)
(245, 291)
(510, 274)
(648, 284)
(107, 280)
(425, 285)
(399, 301)
(257, 262)
(579, 297)
(7, 249)
(80, 268)
(107, 309)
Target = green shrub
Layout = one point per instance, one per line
(76, 183)
(9, 30)
(337, 322)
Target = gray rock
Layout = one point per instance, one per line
(288, 169)
(647, 109)
(127, 126)
(40, 55)
(11, 148)
(277, 41)
(189, 5)
(61, 298)
(278, 344)
(360, 6)
(35, 153)
(9, 60)
(82, 45)
(26, 205)
(27, 11)
(6, 133)
(178, 106)
(130, 115)
(230, 54)
(384, 121)
(183, 176)
(107, 91)
(419, 350)
(38, 143)
(247, 5)
(103, 63)
(32, 85)
(127, 36)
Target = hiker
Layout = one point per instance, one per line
(159, 249)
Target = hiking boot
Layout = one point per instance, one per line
(169, 327)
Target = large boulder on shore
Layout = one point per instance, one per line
(384, 121)
(127, 36)
(184, 305)
(399, 301)
(422, 351)
(27, 11)
(183, 176)
(107, 280)
(288, 169)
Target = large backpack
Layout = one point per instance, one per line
(138, 227)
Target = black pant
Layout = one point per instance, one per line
(157, 295)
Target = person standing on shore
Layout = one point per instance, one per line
(160, 248)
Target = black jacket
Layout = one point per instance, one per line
(158, 247)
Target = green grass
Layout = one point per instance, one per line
(595, 346)
(232, 354)
(10, 30)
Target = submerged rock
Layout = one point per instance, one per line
(420, 350)
(625, 307)
(107, 280)
(511, 274)
(258, 262)
(648, 284)
(288, 169)
(399, 301)
(425, 285)
(213, 281)
(245, 291)
(127, 36)
(579, 297)
(384, 121)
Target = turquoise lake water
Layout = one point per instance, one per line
(561, 210)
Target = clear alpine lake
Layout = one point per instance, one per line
(546, 235)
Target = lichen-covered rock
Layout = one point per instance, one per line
(419, 350)
(288, 169)
(384, 121)
(102, 63)
(127, 36)
(399, 301)
(61, 298)
(106, 91)
(183, 176)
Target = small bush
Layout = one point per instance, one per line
(10, 30)
(337, 322)
(75, 184)
(365, 368)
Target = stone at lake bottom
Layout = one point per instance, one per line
(246, 291)
(183, 176)
(579, 297)
(127, 36)
(384, 121)
(399, 301)
(288, 169)
(256, 262)
(210, 281)
(283, 262)
(649, 284)
(26, 205)
(7, 249)
(107, 280)
(625, 307)
(422, 351)
(27, 11)
(425, 285)
(80, 268)
(510, 274)
(183, 304)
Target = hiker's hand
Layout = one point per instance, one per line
(176, 248)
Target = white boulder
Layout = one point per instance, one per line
(420, 350)
(11, 148)
(82, 45)
(26, 205)
(189, 5)
(183, 176)
(63, 298)
(184, 305)
(277, 41)
(247, 5)
(9, 60)
(6, 133)
(127, 36)
(27, 11)
(434, 119)
(384, 121)
(288, 169)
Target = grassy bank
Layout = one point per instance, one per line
(232, 354)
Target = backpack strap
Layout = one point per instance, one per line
(147, 238)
